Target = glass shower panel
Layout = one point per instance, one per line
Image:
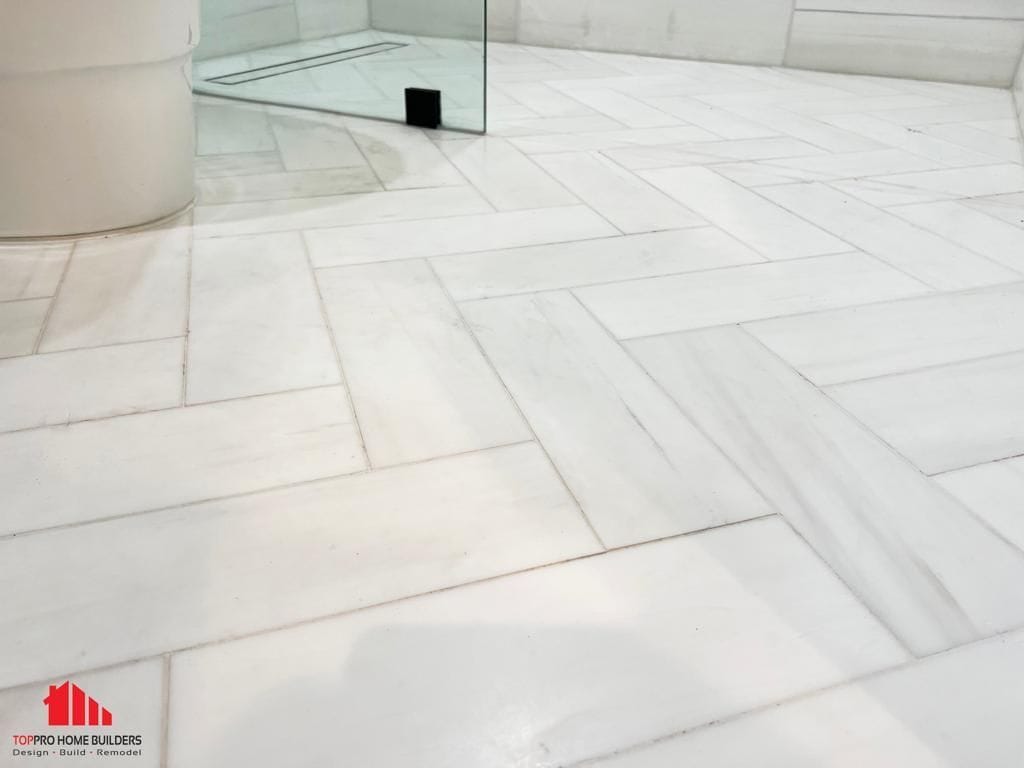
(355, 57)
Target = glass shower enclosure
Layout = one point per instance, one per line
(355, 57)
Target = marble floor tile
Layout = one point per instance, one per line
(1000, 148)
(768, 229)
(31, 271)
(308, 141)
(95, 469)
(917, 143)
(814, 132)
(738, 294)
(641, 470)
(238, 164)
(720, 122)
(997, 240)
(224, 568)
(458, 234)
(920, 561)
(20, 324)
(337, 210)
(64, 387)
(592, 141)
(994, 492)
(678, 633)
(403, 157)
(226, 127)
(984, 104)
(255, 321)
(544, 100)
(949, 711)
(132, 693)
(1009, 208)
(534, 126)
(963, 182)
(626, 200)
(948, 417)
(610, 259)
(504, 175)
(926, 256)
(852, 164)
(898, 336)
(122, 288)
(625, 109)
(419, 384)
(283, 185)
(709, 152)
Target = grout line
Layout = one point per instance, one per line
(188, 322)
(165, 711)
(252, 492)
(403, 599)
(494, 369)
(53, 301)
(325, 317)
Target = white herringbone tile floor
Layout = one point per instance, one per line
(678, 421)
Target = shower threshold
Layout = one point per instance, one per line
(309, 62)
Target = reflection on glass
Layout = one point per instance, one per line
(351, 56)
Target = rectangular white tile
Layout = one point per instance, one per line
(894, 538)
(814, 132)
(738, 294)
(65, 387)
(133, 694)
(882, 194)
(122, 288)
(224, 568)
(459, 234)
(944, 712)
(987, 104)
(709, 152)
(403, 157)
(588, 141)
(504, 175)
(915, 142)
(235, 348)
(310, 141)
(336, 210)
(640, 469)
(238, 164)
(224, 127)
(95, 469)
(627, 201)
(631, 112)
(928, 257)
(945, 418)
(898, 336)
(853, 164)
(720, 122)
(1007, 150)
(997, 240)
(545, 267)
(768, 229)
(963, 182)
(20, 324)
(677, 634)
(994, 492)
(278, 185)
(31, 271)
(1009, 208)
(544, 100)
(419, 384)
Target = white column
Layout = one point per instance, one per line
(96, 122)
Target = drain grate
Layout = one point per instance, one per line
(274, 70)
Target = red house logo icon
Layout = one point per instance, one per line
(67, 704)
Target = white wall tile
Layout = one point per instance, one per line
(982, 51)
